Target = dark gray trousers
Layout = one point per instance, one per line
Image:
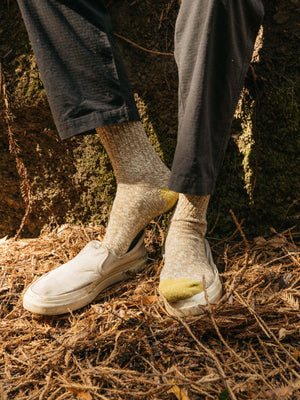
(87, 85)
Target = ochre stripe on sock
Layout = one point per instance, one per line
(179, 289)
(170, 196)
(142, 178)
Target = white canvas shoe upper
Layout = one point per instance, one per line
(76, 283)
(197, 304)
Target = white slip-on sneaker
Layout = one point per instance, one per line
(75, 284)
(197, 304)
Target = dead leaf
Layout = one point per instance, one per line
(260, 241)
(82, 394)
(282, 333)
(281, 392)
(277, 242)
(147, 300)
(122, 314)
(179, 393)
(295, 354)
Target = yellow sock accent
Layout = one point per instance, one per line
(170, 196)
(140, 174)
(179, 289)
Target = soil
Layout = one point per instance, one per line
(73, 182)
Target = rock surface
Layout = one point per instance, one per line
(72, 181)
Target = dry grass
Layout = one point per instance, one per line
(125, 346)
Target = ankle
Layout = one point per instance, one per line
(190, 214)
(132, 156)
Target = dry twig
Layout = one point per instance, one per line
(122, 347)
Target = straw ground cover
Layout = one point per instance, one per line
(125, 346)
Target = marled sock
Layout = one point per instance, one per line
(185, 258)
(142, 180)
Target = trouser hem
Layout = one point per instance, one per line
(191, 185)
(88, 123)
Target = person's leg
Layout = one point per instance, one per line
(80, 65)
(214, 41)
(88, 89)
(142, 179)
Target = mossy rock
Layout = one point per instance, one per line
(72, 181)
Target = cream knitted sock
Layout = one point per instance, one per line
(142, 180)
(185, 257)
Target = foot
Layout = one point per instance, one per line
(134, 207)
(188, 269)
(142, 179)
(75, 284)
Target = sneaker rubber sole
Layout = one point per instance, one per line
(197, 304)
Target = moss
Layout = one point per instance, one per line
(96, 180)
(28, 84)
(245, 144)
(73, 181)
